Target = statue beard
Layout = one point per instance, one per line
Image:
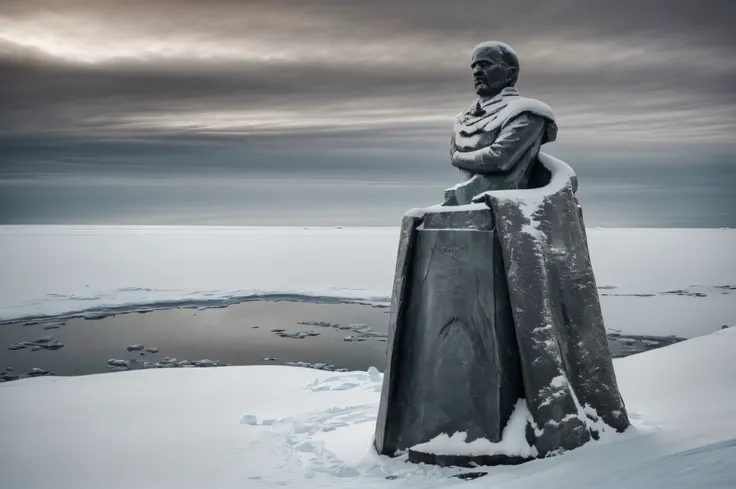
(484, 90)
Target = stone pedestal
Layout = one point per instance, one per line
(453, 363)
(493, 302)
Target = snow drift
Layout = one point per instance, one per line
(244, 427)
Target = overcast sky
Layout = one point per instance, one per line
(340, 111)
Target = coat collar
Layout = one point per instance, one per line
(482, 108)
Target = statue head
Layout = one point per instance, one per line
(495, 66)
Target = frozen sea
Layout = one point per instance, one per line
(199, 293)
(237, 295)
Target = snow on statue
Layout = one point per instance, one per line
(495, 300)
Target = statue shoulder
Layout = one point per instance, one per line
(533, 108)
(521, 105)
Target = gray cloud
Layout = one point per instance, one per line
(349, 89)
(664, 67)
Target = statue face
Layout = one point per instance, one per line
(490, 73)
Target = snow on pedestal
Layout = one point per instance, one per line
(515, 447)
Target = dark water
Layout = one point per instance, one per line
(226, 334)
(236, 335)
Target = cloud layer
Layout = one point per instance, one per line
(635, 72)
(350, 90)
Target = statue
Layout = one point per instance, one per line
(498, 137)
(495, 311)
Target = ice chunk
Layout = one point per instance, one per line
(321, 324)
(249, 419)
(318, 366)
(298, 335)
(207, 363)
(117, 363)
(135, 347)
(35, 372)
(374, 374)
(46, 342)
(150, 350)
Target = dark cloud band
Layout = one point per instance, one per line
(618, 74)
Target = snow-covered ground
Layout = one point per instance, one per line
(251, 427)
(56, 270)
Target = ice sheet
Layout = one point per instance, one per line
(54, 270)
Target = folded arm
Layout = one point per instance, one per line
(512, 142)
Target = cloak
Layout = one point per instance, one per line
(566, 364)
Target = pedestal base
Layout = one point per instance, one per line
(469, 461)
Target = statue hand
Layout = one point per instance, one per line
(457, 157)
